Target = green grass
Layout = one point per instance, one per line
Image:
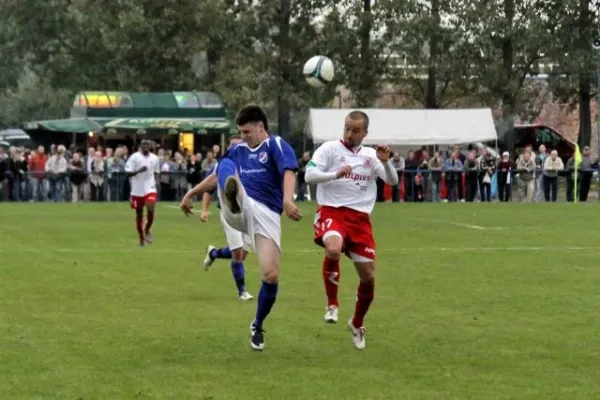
(460, 312)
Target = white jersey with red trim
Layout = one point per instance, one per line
(357, 191)
(144, 182)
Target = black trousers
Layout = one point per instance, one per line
(586, 181)
(550, 188)
(471, 188)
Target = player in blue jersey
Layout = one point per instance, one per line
(256, 181)
(237, 243)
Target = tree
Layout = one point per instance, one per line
(508, 39)
(433, 49)
(113, 44)
(33, 99)
(261, 55)
(358, 37)
(572, 26)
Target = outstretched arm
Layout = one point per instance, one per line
(209, 184)
(206, 198)
(386, 171)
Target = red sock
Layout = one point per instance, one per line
(139, 223)
(331, 278)
(364, 295)
(149, 220)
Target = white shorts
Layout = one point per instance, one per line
(255, 219)
(235, 239)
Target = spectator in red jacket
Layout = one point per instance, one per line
(37, 168)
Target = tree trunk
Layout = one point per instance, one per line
(508, 89)
(283, 63)
(213, 57)
(431, 100)
(585, 115)
(365, 85)
(585, 95)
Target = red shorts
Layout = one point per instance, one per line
(354, 227)
(140, 201)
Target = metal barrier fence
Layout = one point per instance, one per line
(414, 186)
(510, 186)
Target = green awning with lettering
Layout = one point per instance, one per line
(74, 125)
(158, 125)
(182, 124)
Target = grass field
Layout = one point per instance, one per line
(473, 301)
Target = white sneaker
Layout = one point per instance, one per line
(331, 315)
(358, 336)
(208, 262)
(245, 296)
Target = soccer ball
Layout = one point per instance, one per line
(318, 71)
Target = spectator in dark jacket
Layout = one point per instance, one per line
(3, 180)
(300, 180)
(411, 166)
(487, 168)
(587, 166)
(194, 171)
(17, 176)
(77, 176)
(505, 167)
(471, 176)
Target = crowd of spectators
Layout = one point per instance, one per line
(473, 175)
(62, 174)
(476, 175)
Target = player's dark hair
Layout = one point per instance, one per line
(252, 114)
(360, 115)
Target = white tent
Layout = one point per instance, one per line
(396, 127)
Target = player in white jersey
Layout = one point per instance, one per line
(141, 168)
(346, 174)
(256, 181)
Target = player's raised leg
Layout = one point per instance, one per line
(268, 254)
(229, 186)
(150, 207)
(333, 244)
(364, 297)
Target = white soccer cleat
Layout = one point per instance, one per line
(208, 261)
(358, 336)
(331, 315)
(245, 296)
(232, 194)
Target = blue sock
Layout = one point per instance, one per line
(266, 299)
(237, 269)
(225, 169)
(224, 252)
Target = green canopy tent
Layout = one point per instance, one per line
(114, 115)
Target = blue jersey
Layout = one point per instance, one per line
(261, 169)
(210, 171)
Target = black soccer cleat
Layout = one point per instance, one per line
(257, 339)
